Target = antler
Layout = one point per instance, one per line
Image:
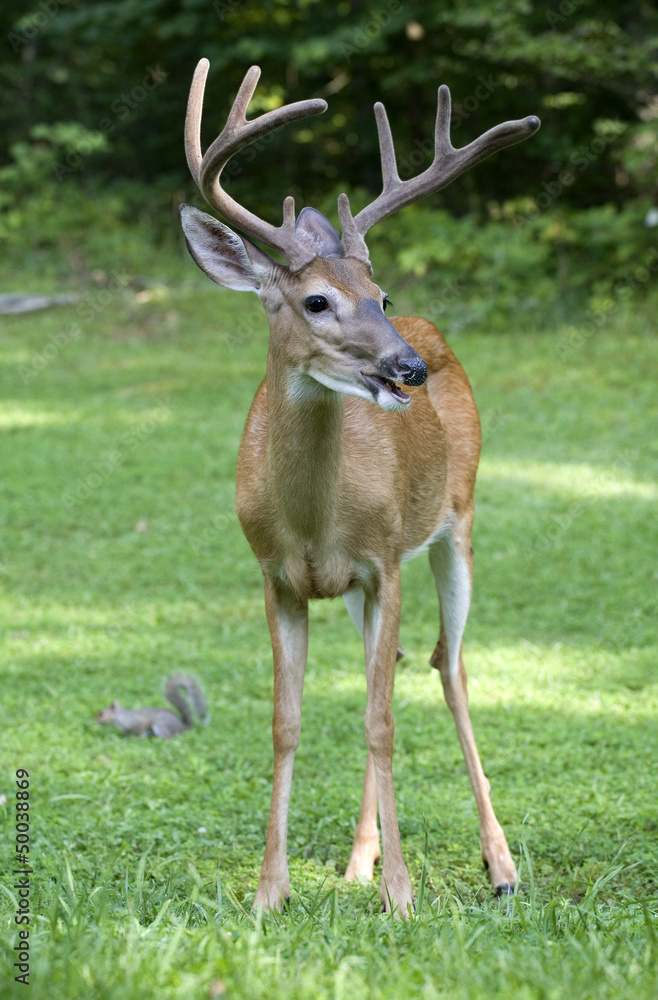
(238, 133)
(448, 163)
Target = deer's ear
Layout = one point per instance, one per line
(223, 255)
(317, 234)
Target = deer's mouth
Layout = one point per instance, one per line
(385, 392)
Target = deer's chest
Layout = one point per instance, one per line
(316, 559)
(315, 520)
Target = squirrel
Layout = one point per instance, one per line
(160, 722)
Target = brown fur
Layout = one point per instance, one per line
(333, 493)
(319, 508)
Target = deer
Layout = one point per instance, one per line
(360, 451)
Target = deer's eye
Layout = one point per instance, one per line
(387, 302)
(316, 303)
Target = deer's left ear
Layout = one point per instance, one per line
(317, 234)
(223, 255)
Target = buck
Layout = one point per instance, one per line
(343, 474)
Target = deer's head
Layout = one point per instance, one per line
(326, 314)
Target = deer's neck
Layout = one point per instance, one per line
(305, 449)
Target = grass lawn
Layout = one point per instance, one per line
(122, 561)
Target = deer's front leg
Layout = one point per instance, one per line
(381, 629)
(287, 618)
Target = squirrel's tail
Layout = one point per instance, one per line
(179, 700)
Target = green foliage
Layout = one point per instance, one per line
(122, 561)
(42, 207)
(122, 70)
(40, 210)
(548, 228)
(553, 227)
(173, 936)
(33, 162)
(522, 266)
(126, 408)
(474, 276)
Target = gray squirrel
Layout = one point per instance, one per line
(160, 722)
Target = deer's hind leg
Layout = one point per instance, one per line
(451, 559)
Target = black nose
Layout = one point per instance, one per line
(412, 370)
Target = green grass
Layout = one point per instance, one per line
(146, 853)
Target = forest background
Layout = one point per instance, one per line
(94, 99)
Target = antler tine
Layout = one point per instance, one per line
(442, 143)
(193, 119)
(236, 134)
(353, 241)
(238, 114)
(390, 176)
(448, 162)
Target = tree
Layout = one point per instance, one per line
(122, 69)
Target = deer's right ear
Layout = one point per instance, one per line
(222, 254)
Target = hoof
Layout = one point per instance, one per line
(412, 906)
(402, 906)
(270, 898)
(366, 852)
(503, 876)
